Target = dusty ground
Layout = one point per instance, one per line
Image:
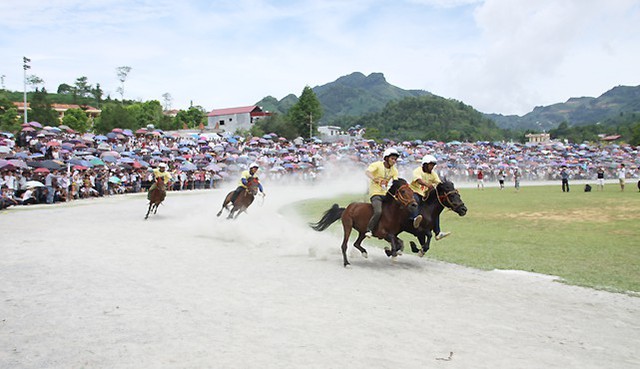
(93, 285)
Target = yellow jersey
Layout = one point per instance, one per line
(164, 175)
(430, 178)
(379, 171)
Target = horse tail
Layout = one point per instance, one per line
(329, 217)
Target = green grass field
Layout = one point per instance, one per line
(588, 239)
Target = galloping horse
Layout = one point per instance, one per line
(242, 202)
(156, 196)
(444, 195)
(396, 208)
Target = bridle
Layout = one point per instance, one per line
(445, 198)
(402, 198)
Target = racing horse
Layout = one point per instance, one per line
(445, 195)
(242, 202)
(156, 196)
(396, 207)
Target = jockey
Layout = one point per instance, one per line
(160, 172)
(425, 179)
(244, 181)
(381, 173)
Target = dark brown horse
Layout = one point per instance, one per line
(396, 208)
(156, 197)
(242, 202)
(444, 196)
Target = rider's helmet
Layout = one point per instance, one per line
(389, 152)
(254, 165)
(429, 159)
(162, 166)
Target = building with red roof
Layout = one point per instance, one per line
(233, 119)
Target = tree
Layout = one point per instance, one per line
(305, 114)
(76, 119)
(166, 97)
(41, 110)
(191, 117)
(65, 89)
(97, 95)
(123, 73)
(83, 89)
(113, 116)
(9, 121)
(34, 81)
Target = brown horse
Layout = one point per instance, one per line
(242, 202)
(156, 197)
(445, 196)
(396, 208)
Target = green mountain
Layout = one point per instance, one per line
(427, 118)
(352, 95)
(580, 111)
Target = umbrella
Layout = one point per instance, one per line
(188, 166)
(115, 179)
(41, 170)
(32, 184)
(35, 124)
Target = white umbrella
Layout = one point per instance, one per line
(32, 184)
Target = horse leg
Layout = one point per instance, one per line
(232, 213)
(358, 244)
(155, 208)
(425, 245)
(148, 211)
(346, 226)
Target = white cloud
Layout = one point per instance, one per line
(503, 56)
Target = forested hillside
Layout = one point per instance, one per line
(428, 118)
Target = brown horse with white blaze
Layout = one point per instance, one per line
(396, 208)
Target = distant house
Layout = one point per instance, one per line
(334, 134)
(538, 137)
(233, 119)
(62, 108)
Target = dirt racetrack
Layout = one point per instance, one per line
(90, 284)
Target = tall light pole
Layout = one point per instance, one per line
(25, 66)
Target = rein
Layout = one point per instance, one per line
(405, 200)
(445, 196)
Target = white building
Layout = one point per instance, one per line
(233, 119)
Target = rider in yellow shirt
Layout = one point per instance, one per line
(380, 173)
(244, 180)
(160, 172)
(425, 179)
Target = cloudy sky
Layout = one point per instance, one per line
(500, 56)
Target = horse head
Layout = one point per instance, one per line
(160, 184)
(449, 197)
(401, 192)
(253, 186)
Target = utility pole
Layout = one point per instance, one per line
(25, 66)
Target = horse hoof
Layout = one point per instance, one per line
(365, 255)
(420, 253)
(394, 259)
(387, 251)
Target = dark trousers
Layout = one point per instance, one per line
(376, 202)
(565, 185)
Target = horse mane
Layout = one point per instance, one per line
(395, 185)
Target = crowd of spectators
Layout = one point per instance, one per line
(56, 164)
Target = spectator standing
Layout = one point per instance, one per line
(50, 183)
(480, 178)
(516, 179)
(565, 179)
(600, 178)
(501, 179)
(622, 175)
